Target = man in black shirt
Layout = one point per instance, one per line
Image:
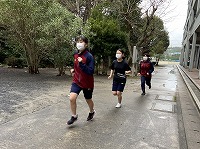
(120, 68)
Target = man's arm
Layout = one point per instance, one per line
(89, 68)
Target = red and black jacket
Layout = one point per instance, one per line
(83, 71)
(146, 67)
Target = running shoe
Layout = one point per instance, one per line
(72, 120)
(91, 115)
(150, 86)
(118, 105)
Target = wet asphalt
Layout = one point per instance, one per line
(143, 122)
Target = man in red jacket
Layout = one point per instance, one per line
(82, 78)
(145, 70)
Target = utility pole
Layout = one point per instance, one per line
(199, 74)
(134, 61)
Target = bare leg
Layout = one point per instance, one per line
(90, 104)
(119, 94)
(72, 98)
(114, 93)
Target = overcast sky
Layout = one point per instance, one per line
(174, 21)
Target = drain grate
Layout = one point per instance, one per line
(165, 98)
(163, 107)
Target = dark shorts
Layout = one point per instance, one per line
(87, 92)
(117, 86)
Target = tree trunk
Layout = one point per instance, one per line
(33, 66)
(61, 71)
(33, 69)
(130, 49)
(32, 61)
(105, 65)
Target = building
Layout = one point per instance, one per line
(190, 52)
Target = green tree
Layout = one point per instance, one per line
(60, 32)
(81, 8)
(106, 37)
(32, 24)
(129, 15)
(10, 53)
(137, 24)
(158, 42)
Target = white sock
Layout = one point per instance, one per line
(75, 116)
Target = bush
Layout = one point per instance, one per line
(15, 62)
(46, 63)
(2, 57)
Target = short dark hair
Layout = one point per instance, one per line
(146, 54)
(122, 51)
(81, 37)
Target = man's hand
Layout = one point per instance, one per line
(138, 74)
(109, 77)
(72, 72)
(79, 59)
(127, 72)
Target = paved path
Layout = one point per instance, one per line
(143, 122)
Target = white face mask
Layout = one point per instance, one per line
(145, 58)
(118, 56)
(80, 46)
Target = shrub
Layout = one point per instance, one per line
(15, 62)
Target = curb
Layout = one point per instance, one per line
(196, 100)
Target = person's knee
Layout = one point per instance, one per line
(88, 100)
(143, 84)
(72, 98)
(114, 93)
(119, 93)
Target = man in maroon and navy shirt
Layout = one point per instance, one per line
(82, 78)
(145, 70)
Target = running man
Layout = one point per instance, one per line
(120, 68)
(82, 78)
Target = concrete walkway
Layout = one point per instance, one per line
(143, 122)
